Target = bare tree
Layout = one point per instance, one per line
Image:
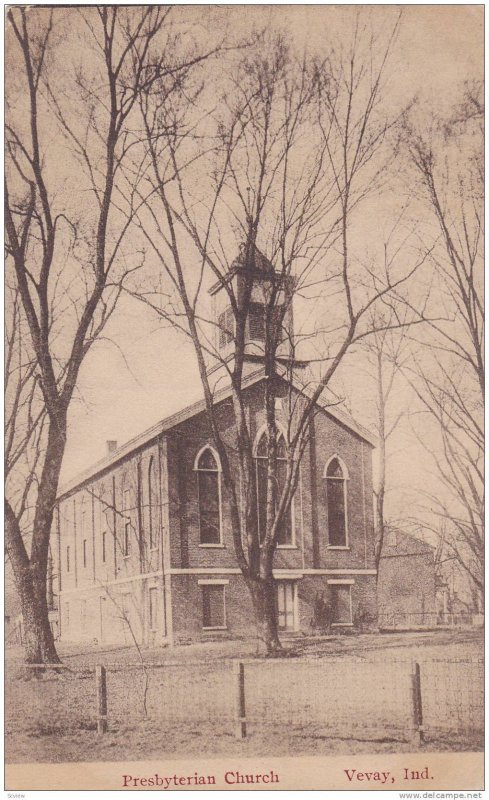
(387, 352)
(448, 376)
(292, 151)
(68, 135)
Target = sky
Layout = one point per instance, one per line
(143, 371)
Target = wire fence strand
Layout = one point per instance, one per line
(323, 697)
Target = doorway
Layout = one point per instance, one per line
(287, 605)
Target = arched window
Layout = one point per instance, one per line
(83, 531)
(140, 502)
(336, 477)
(261, 460)
(103, 512)
(126, 517)
(209, 493)
(152, 540)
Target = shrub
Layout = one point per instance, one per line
(322, 613)
(364, 620)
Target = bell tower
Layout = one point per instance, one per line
(251, 272)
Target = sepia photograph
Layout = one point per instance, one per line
(244, 397)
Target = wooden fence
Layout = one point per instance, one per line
(333, 697)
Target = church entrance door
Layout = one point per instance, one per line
(287, 605)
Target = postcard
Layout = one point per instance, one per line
(244, 380)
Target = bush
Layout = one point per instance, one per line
(322, 613)
(364, 620)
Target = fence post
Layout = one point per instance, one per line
(101, 684)
(417, 707)
(240, 704)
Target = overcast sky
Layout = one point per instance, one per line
(149, 372)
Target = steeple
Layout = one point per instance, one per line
(253, 272)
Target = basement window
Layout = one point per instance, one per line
(213, 607)
(341, 604)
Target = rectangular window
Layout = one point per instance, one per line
(153, 609)
(213, 611)
(256, 322)
(127, 538)
(84, 551)
(68, 559)
(341, 604)
(104, 546)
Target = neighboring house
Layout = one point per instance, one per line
(406, 591)
(144, 541)
(457, 598)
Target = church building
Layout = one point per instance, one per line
(143, 539)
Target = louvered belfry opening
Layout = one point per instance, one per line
(252, 262)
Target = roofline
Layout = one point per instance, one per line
(412, 536)
(340, 416)
(147, 436)
(198, 407)
(350, 423)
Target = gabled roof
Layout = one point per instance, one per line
(401, 543)
(190, 411)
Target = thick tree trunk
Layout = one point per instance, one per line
(264, 604)
(30, 573)
(38, 637)
(30, 582)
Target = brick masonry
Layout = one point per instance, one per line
(105, 593)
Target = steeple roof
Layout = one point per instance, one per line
(252, 258)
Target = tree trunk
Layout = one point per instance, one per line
(265, 607)
(379, 544)
(30, 581)
(31, 573)
(382, 462)
(38, 637)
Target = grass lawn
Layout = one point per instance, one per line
(337, 694)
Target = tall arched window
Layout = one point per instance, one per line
(152, 539)
(336, 477)
(126, 519)
(140, 502)
(209, 494)
(83, 531)
(261, 460)
(103, 511)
